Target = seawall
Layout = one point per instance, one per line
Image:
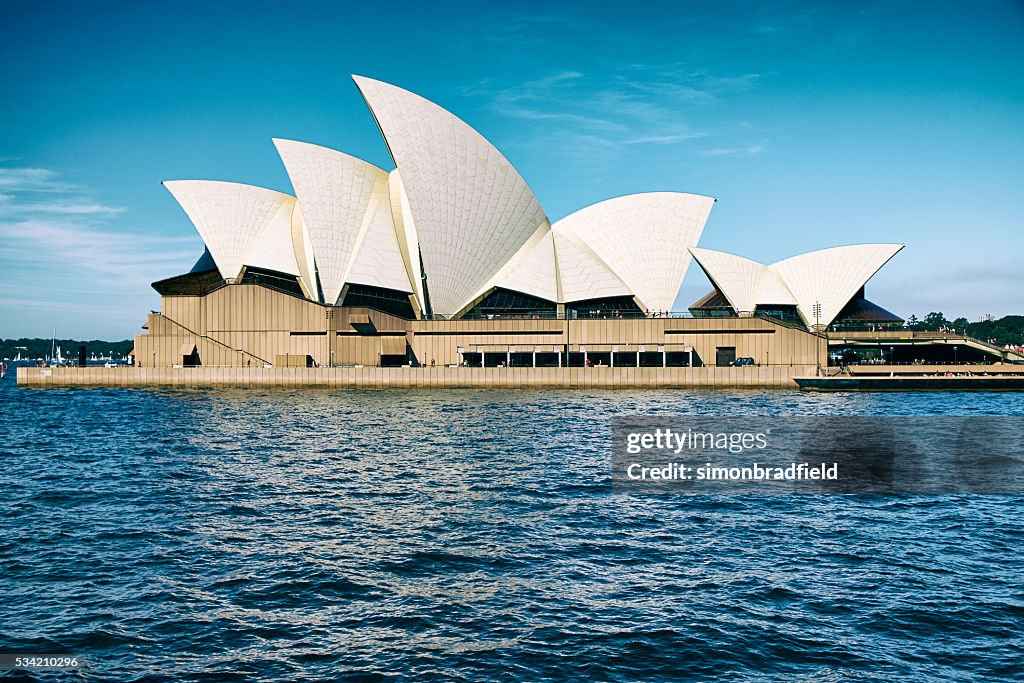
(773, 377)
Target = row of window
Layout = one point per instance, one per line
(548, 359)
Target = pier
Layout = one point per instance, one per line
(374, 377)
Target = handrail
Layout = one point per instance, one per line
(892, 336)
(550, 315)
(215, 341)
(792, 324)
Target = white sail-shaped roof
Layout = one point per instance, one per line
(378, 260)
(405, 229)
(273, 248)
(737, 278)
(473, 210)
(772, 290)
(240, 224)
(644, 239)
(340, 196)
(533, 272)
(581, 273)
(303, 248)
(832, 277)
(745, 283)
(458, 213)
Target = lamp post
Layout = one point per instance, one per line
(817, 339)
(954, 356)
(568, 348)
(891, 355)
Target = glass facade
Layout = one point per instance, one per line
(378, 298)
(779, 312)
(610, 307)
(196, 283)
(504, 303)
(282, 282)
(712, 305)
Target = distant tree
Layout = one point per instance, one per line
(42, 348)
(1006, 330)
(913, 322)
(961, 324)
(933, 321)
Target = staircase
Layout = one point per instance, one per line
(212, 340)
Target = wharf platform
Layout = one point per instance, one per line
(912, 383)
(372, 377)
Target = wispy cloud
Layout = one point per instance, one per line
(557, 78)
(779, 22)
(669, 139)
(52, 226)
(632, 91)
(69, 259)
(47, 193)
(13, 179)
(18, 301)
(681, 83)
(605, 114)
(748, 151)
(72, 208)
(521, 28)
(62, 244)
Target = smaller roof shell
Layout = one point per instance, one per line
(644, 239)
(240, 224)
(828, 277)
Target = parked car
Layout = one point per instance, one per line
(745, 360)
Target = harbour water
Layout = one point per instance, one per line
(473, 535)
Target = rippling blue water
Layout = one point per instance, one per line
(473, 535)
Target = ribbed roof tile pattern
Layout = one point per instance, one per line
(644, 239)
(473, 210)
(772, 290)
(233, 219)
(273, 248)
(304, 257)
(832, 276)
(737, 278)
(405, 229)
(335, 191)
(377, 260)
(456, 210)
(829, 277)
(746, 284)
(581, 273)
(534, 273)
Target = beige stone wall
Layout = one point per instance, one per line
(247, 325)
(777, 377)
(768, 343)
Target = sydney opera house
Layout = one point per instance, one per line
(450, 260)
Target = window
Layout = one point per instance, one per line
(504, 303)
(378, 298)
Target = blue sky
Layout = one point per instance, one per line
(812, 125)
